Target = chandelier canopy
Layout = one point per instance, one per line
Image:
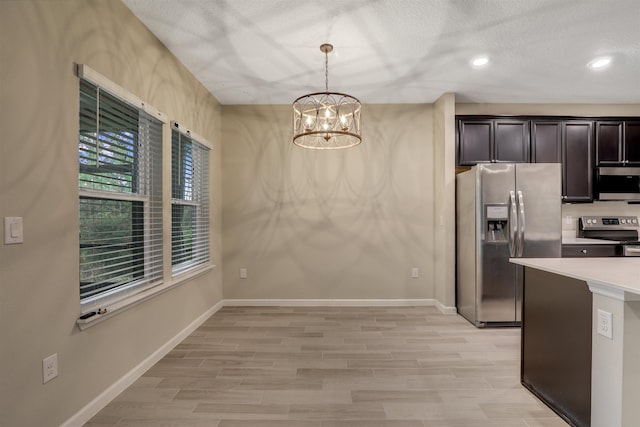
(326, 120)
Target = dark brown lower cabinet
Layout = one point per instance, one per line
(590, 251)
(556, 343)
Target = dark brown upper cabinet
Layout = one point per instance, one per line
(475, 142)
(609, 143)
(577, 161)
(546, 141)
(632, 142)
(491, 141)
(571, 143)
(617, 143)
(511, 142)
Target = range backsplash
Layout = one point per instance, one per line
(571, 212)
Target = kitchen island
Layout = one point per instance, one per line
(556, 285)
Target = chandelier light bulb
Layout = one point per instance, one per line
(343, 122)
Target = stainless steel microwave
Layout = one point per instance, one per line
(617, 183)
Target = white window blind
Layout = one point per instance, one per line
(189, 202)
(120, 191)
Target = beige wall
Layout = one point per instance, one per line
(444, 204)
(345, 224)
(39, 297)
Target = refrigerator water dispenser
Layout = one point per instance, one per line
(496, 222)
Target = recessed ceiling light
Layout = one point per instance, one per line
(599, 63)
(480, 61)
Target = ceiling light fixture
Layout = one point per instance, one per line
(599, 63)
(326, 120)
(480, 61)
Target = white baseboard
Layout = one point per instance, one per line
(341, 303)
(93, 407)
(335, 303)
(446, 309)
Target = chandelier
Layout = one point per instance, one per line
(326, 120)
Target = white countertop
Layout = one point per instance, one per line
(618, 273)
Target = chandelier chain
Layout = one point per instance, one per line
(326, 72)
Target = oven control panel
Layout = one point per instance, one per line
(609, 223)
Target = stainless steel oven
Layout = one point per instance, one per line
(617, 235)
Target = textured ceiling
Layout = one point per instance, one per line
(404, 51)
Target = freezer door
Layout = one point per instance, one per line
(496, 291)
(539, 190)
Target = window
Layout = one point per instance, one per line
(189, 201)
(120, 191)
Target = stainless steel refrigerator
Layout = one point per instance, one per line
(503, 210)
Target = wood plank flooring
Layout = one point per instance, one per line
(334, 367)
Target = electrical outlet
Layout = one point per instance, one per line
(605, 324)
(49, 368)
(415, 272)
(243, 273)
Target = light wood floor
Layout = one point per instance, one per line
(332, 367)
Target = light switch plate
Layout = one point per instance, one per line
(12, 230)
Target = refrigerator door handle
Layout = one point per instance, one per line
(521, 223)
(513, 224)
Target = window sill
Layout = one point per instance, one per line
(127, 303)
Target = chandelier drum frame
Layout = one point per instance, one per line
(326, 120)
